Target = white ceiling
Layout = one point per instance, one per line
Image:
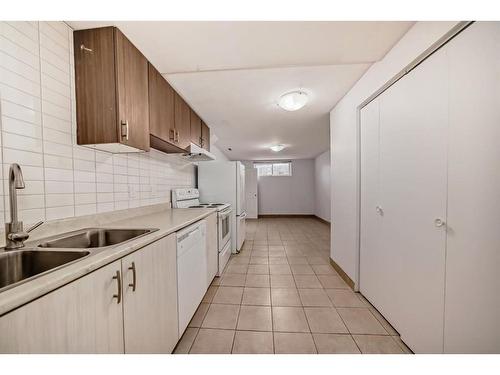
(232, 74)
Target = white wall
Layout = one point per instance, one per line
(344, 135)
(322, 191)
(38, 131)
(288, 194)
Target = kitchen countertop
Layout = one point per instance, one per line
(166, 220)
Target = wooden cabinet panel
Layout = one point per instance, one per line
(95, 85)
(132, 89)
(212, 250)
(161, 107)
(111, 89)
(150, 311)
(182, 122)
(195, 129)
(205, 136)
(81, 317)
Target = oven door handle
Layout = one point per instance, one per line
(243, 215)
(225, 214)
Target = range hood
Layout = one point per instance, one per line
(196, 153)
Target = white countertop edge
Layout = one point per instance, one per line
(13, 298)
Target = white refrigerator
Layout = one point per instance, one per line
(224, 182)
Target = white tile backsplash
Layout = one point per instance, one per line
(38, 131)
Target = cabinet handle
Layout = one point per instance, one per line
(119, 281)
(124, 129)
(201, 142)
(86, 49)
(379, 210)
(177, 136)
(134, 280)
(172, 135)
(439, 223)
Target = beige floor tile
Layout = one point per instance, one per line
(294, 253)
(257, 281)
(294, 343)
(276, 247)
(260, 253)
(236, 268)
(275, 242)
(221, 316)
(324, 320)
(259, 260)
(361, 321)
(297, 260)
(233, 280)
(282, 281)
(213, 341)
(228, 295)
(285, 297)
(278, 260)
(373, 344)
(332, 282)
(344, 298)
(209, 295)
(255, 318)
(257, 296)
(240, 259)
(314, 297)
(324, 269)
(402, 345)
(249, 342)
(277, 254)
(258, 269)
(186, 341)
(317, 260)
(335, 344)
(280, 269)
(289, 319)
(199, 315)
(301, 269)
(307, 281)
(387, 326)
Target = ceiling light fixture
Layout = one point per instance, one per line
(277, 148)
(293, 101)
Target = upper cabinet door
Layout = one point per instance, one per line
(95, 86)
(195, 129)
(182, 122)
(205, 136)
(161, 107)
(132, 89)
(111, 91)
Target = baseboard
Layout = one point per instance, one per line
(269, 216)
(342, 274)
(322, 220)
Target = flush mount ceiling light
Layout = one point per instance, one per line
(293, 101)
(277, 148)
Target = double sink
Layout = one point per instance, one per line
(18, 266)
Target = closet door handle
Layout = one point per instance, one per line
(379, 210)
(439, 223)
(134, 277)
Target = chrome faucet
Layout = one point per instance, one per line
(14, 233)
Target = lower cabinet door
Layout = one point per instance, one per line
(150, 298)
(81, 317)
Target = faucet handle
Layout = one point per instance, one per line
(34, 226)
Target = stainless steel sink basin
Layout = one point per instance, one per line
(18, 266)
(95, 238)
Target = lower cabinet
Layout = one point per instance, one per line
(150, 298)
(128, 306)
(81, 317)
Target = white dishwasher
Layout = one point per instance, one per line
(191, 271)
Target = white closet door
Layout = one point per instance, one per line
(472, 311)
(413, 162)
(374, 278)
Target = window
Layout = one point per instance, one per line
(274, 169)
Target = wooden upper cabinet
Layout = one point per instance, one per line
(182, 122)
(195, 129)
(112, 104)
(205, 136)
(161, 108)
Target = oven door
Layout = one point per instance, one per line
(224, 228)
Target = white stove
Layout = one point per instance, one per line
(190, 198)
